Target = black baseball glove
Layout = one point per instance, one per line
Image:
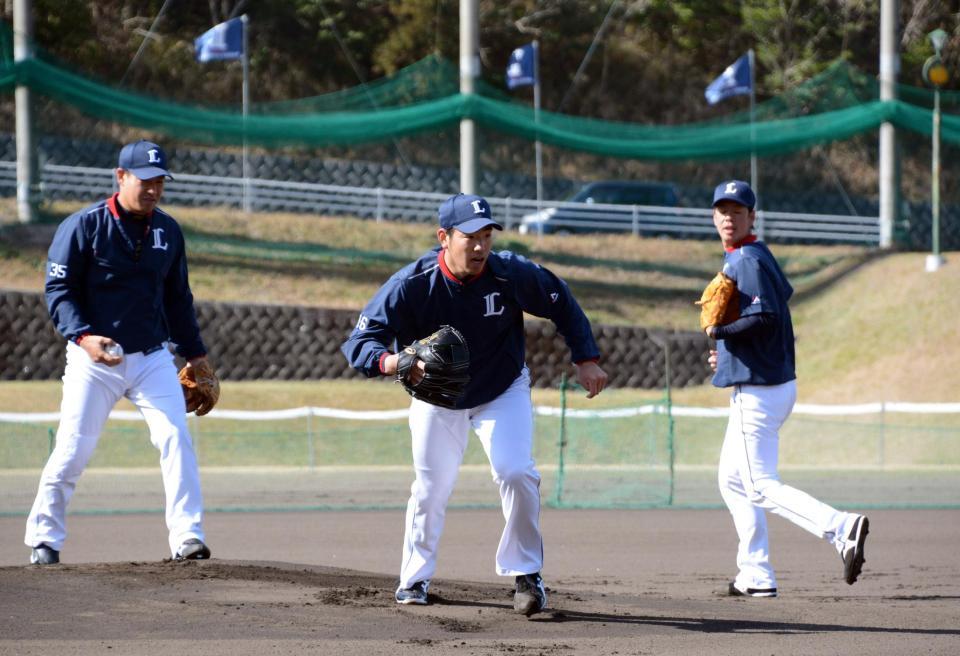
(445, 375)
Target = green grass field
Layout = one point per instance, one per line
(890, 440)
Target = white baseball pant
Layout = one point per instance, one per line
(750, 484)
(90, 391)
(505, 429)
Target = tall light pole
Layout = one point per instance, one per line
(469, 71)
(936, 75)
(889, 182)
(28, 183)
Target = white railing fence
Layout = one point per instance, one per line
(380, 204)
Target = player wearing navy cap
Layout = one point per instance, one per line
(483, 295)
(117, 289)
(755, 356)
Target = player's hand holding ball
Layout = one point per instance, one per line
(102, 349)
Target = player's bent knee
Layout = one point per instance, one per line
(67, 472)
(433, 493)
(65, 465)
(174, 438)
(517, 477)
(762, 488)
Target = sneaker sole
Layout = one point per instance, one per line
(734, 591)
(199, 554)
(412, 602)
(856, 566)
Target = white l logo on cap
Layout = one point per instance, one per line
(731, 188)
(153, 156)
(477, 207)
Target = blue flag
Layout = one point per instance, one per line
(735, 81)
(522, 67)
(223, 41)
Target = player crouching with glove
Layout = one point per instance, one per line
(460, 309)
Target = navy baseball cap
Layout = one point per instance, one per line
(736, 190)
(144, 159)
(467, 213)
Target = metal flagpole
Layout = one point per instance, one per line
(753, 141)
(247, 201)
(536, 120)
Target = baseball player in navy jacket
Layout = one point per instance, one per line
(117, 290)
(755, 357)
(483, 295)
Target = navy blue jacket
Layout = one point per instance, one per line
(487, 310)
(97, 283)
(763, 288)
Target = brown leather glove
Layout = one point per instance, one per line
(201, 388)
(719, 303)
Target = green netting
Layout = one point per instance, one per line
(339, 463)
(611, 461)
(431, 78)
(840, 85)
(836, 97)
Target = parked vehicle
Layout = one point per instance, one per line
(598, 207)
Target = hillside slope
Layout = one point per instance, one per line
(888, 331)
(868, 328)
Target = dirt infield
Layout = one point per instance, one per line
(621, 582)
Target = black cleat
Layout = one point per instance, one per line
(415, 594)
(44, 554)
(192, 549)
(852, 554)
(530, 596)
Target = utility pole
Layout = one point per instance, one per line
(936, 75)
(469, 71)
(889, 170)
(28, 182)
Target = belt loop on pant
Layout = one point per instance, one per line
(152, 349)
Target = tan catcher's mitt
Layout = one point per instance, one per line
(719, 304)
(201, 388)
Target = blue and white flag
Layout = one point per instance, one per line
(223, 41)
(735, 81)
(522, 67)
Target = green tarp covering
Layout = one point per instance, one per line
(836, 105)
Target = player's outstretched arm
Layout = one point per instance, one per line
(591, 377)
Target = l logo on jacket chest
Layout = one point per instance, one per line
(158, 243)
(491, 305)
